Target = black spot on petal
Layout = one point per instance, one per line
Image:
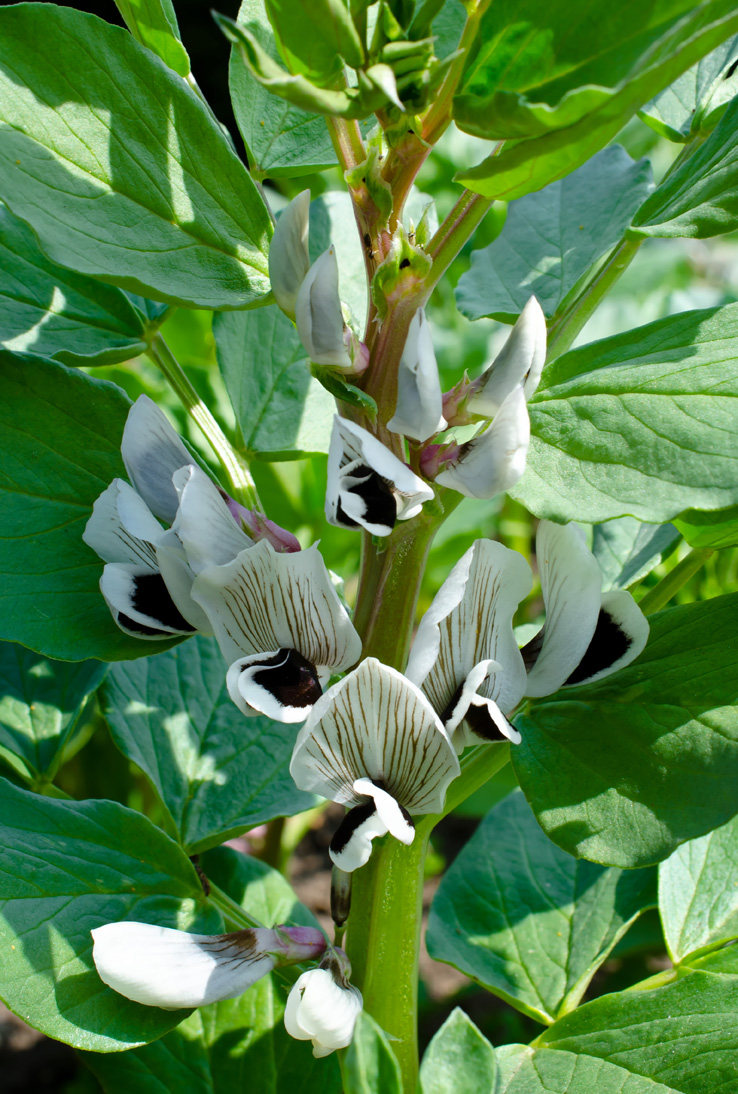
(150, 596)
(609, 643)
(353, 820)
(290, 678)
(379, 501)
(483, 725)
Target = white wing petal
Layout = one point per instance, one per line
(152, 452)
(122, 528)
(289, 260)
(620, 636)
(520, 362)
(495, 460)
(204, 523)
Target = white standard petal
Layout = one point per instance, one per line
(152, 451)
(495, 460)
(470, 621)
(289, 260)
(122, 528)
(204, 524)
(318, 314)
(322, 1011)
(570, 582)
(368, 486)
(265, 601)
(375, 724)
(519, 363)
(619, 637)
(418, 413)
(162, 967)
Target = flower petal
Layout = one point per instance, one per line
(318, 314)
(375, 724)
(265, 601)
(470, 621)
(178, 578)
(519, 363)
(320, 1010)
(165, 968)
(351, 846)
(390, 812)
(283, 685)
(289, 260)
(620, 636)
(482, 717)
(122, 528)
(495, 460)
(141, 603)
(418, 413)
(204, 523)
(152, 452)
(570, 582)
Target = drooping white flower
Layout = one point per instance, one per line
(587, 634)
(418, 413)
(465, 657)
(368, 486)
(166, 968)
(289, 260)
(319, 316)
(494, 460)
(374, 743)
(519, 363)
(323, 1006)
(281, 627)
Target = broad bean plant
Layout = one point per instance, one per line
(379, 551)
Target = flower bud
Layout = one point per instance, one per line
(319, 317)
(323, 1007)
(289, 260)
(419, 401)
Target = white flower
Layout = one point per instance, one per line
(519, 363)
(373, 742)
(465, 657)
(322, 1007)
(319, 316)
(289, 260)
(152, 451)
(418, 413)
(587, 634)
(162, 967)
(281, 627)
(367, 485)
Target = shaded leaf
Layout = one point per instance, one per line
(370, 1066)
(626, 549)
(695, 101)
(717, 529)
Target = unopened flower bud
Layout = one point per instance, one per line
(289, 261)
(323, 1007)
(318, 314)
(418, 411)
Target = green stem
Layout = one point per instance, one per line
(233, 913)
(384, 944)
(241, 483)
(658, 597)
(438, 118)
(457, 228)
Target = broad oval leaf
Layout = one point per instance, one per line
(120, 168)
(40, 703)
(698, 896)
(526, 919)
(622, 771)
(526, 1070)
(699, 198)
(66, 867)
(281, 410)
(53, 312)
(217, 772)
(459, 1059)
(637, 424)
(551, 238)
(60, 433)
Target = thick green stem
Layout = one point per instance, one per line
(658, 597)
(457, 228)
(384, 944)
(241, 483)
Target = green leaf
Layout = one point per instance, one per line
(281, 139)
(525, 919)
(683, 1034)
(697, 99)
(624, 770)
(526, 1070)
(153, 23)
(241, 1044)
(699, 198)
(574, 121)
(626, 550)
(314, 35)
(698, 897)
(120, 168)
(343, 390)
(370, 1066)
(709, 529)
(66, 867)
(40, 703)
(459, 1059)
(551, 238)
(216, 772)
(636, 424)
(60, 433)
(54, 312)
(281, 410)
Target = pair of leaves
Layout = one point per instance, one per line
(543, 78)
(123, 173)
